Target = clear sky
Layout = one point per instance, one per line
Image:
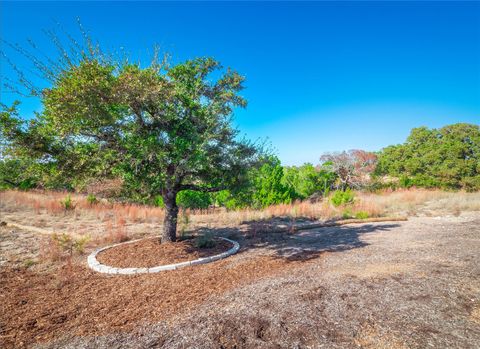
(321, 76)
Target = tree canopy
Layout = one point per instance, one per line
(448, 157)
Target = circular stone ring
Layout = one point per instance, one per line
(95, 265)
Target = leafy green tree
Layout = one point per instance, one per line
(269, 187)
(447, 157)
(162, 128)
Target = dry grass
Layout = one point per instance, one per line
(122, 221)
(410, 201)
(372, 270)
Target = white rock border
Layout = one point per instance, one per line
(95, 265)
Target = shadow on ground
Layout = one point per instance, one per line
(299, 245)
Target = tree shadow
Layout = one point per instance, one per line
(295, 244)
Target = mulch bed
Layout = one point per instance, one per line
(150, 253)
(75, 301)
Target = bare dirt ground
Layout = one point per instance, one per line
(413, 284)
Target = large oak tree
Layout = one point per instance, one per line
(163, 128)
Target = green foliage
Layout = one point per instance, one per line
(158, 201)
(205, 241)
(307, 180)
(16, 173)
(222, 198)
(69, 244)
(340, 197)
(448, 157)
(269, 188)
(92, 199)
(362, 215)
(193, 199)
(187, 199)
(347, 213)
(68, 203)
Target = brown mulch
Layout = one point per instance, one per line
(150, 253)
(38, 307)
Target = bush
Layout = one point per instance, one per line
(158, 201)
(347, 214)
(361, 215)
(342, 197)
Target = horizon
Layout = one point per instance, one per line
(320, 77)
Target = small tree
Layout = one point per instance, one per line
(353, 168)
(162, 128)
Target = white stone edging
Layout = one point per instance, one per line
(95, 265)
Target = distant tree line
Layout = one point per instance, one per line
(447, 158)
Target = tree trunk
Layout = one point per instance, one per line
(171, 213)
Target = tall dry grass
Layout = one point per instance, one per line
(115, 216)
(412, 201)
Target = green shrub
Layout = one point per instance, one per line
(27, 184)
(342, 197)
(205, 241)
(158, 201)
(347, 214)
(92, 199)
(69, 244)
(361, 215)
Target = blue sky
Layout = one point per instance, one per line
(321, 76)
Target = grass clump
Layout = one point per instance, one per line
(348, 214)
(67, 203)
(27, 263)
(92, 199)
